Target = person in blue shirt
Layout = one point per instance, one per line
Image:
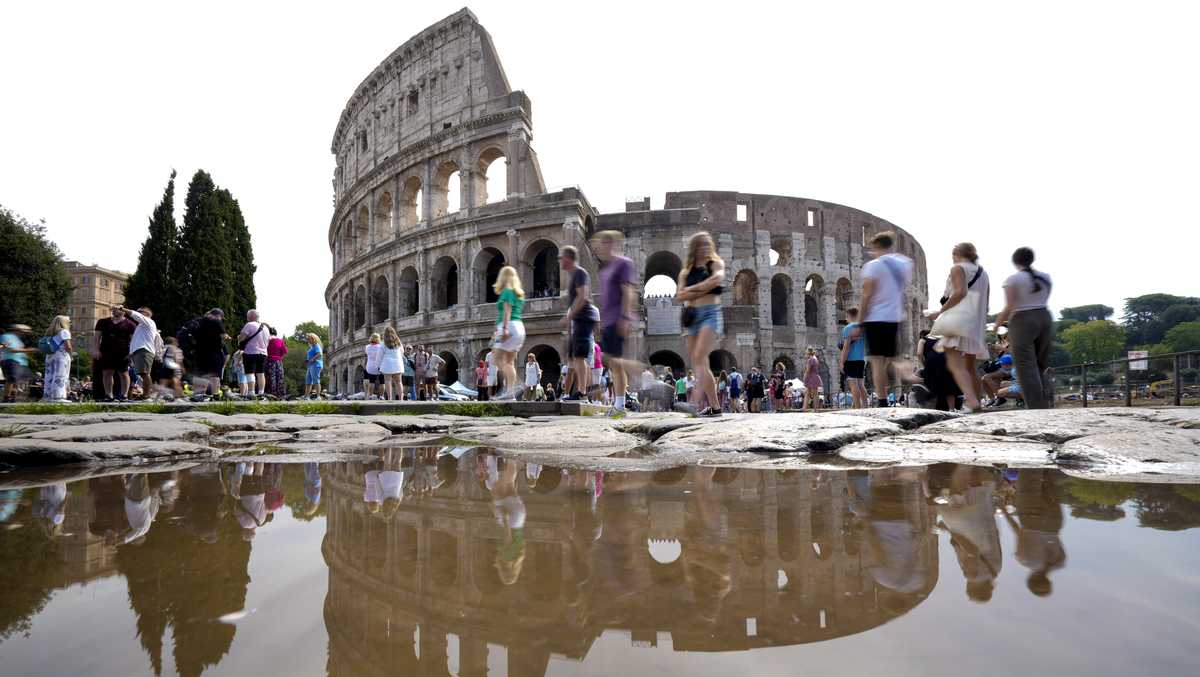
(315, 362)
(13, 361)
(854, 359)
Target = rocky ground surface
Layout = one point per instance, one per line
(1146, 444)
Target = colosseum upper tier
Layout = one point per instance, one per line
(424, 219)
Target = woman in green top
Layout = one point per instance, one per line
(510, 330)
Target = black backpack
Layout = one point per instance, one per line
(186, 338)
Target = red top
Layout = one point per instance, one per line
(276, 349)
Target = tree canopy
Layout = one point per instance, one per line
(1149, 317)
(152, 281)
(1095, 311)
(1184, 336)
(35, 281)
(1095, 341)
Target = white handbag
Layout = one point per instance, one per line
(963, 318)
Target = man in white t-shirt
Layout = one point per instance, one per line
(882, 306)
(143, 345)
(254, 355)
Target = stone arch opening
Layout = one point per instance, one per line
(384, 228)
(814, 286)
(670, 359)
(487, 267)
(362, 230)
(445, 180)
(781, 250)
(379, 300)
(745, 288)
(785, 527)
(845, 299)
(359, 377)
(410, 202)
(448, 373)
(541, 258)
(347, 317)
(781, 300)
(493, 174)
(789, 365)
(445, 283)
(410, 293)
(443, 548)
(550, 362)
(360, 306)
(661, 274)
(721, 360)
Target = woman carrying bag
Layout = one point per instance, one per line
(961, 322)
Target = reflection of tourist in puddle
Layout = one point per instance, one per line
(500, 478)
(707, 565)
(1037, 525)
(895, 530)
(248, 486)
(312, 488)
(390, 490)
(51, 506)
(967, 508)
(141, 507)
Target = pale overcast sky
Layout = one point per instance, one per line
(1071, 127)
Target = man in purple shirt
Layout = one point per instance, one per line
(618, 294)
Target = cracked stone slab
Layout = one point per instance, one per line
(60, 420)
(409, 424)
(1164, 450)
(569, 436)
(923, 448)
(161, 428)
(654, 426)
(774, 433)
(1049, 425)
(241, 437)
(905, 417)
(221, 421)
(293, 423)
(30, 452)
(340, 436)
(32, 478)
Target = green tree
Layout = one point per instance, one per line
(305, 328)
(1095, 341)
(241, 253)
(1059, 355)
(151, 284)
(1095, 311)
(1146, 316)
(1185, 336)
(200, 263)
(35, 282)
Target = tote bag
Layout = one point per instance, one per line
(961, 320)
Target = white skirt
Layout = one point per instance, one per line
(516, 336)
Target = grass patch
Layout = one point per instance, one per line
(398, 412)
(52, 408)
(233, 408)
(474, 409)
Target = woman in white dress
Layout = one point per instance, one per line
(533, 375)
(58, 363)
(510, 329)
(965, 338)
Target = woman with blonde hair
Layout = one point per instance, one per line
(962, 321)
(391, 365)
(510, 330)
(57, 347)
(812, 381)
(314, 362)
(700, 288)
(372, 376)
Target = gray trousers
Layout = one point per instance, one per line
(1030, 335)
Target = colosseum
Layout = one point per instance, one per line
(437, 186)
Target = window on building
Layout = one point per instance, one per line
(741, 213)
(412, 102)
(362, 141)
(104, 282)
(83, 280)
(812, 218)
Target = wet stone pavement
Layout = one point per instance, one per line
(464, 560)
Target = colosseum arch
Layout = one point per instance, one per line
(662, 264)
(549, 360)
(789, 365)
(484, 272)
(781, 250)
(781, 300)
(347, 319)
(360, 306)
(362, 230)
(540, 265)
(379, 300)
(410, 202)
(813, 288)
(845, 299)
(446, 179)
(492, 185)
(721, 360)
(443, 548)
(669, 358)
(410, 293)
(384, 228)
(444, 283)
(745, 288)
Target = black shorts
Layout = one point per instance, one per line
(612, 343)
(406, 379)
(377, 379)
(855, 368)
(114, 361)
(881, 338)
(210, 364)
(254, 364)
(581, 339)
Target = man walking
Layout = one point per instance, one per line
(735, 390)
(143, 346)
(618, 296)
(853, 359)
(113, 336)
(253, 339)
(581, 317)
(884, 280)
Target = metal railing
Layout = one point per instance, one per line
(1150, 389)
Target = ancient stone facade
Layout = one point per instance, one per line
(417, 238)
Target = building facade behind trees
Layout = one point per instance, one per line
(437, 187)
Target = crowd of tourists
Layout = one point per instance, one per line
(132, 360)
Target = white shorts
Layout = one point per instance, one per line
(492, 372)
(516, 337)
(596, 375)
(531, 379)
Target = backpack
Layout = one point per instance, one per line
(48, 345)
(735, 381)
(187, 342)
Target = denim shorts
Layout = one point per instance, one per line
(707, 316)
(313, 376)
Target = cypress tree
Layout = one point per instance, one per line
(151, 284)
(241, 253)
(201, 265)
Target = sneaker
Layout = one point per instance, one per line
(573, 397)
(613, 412)
(709, 412)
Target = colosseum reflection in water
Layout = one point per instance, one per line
(695, 558)
(437, 187)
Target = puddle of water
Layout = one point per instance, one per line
(457, 561)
